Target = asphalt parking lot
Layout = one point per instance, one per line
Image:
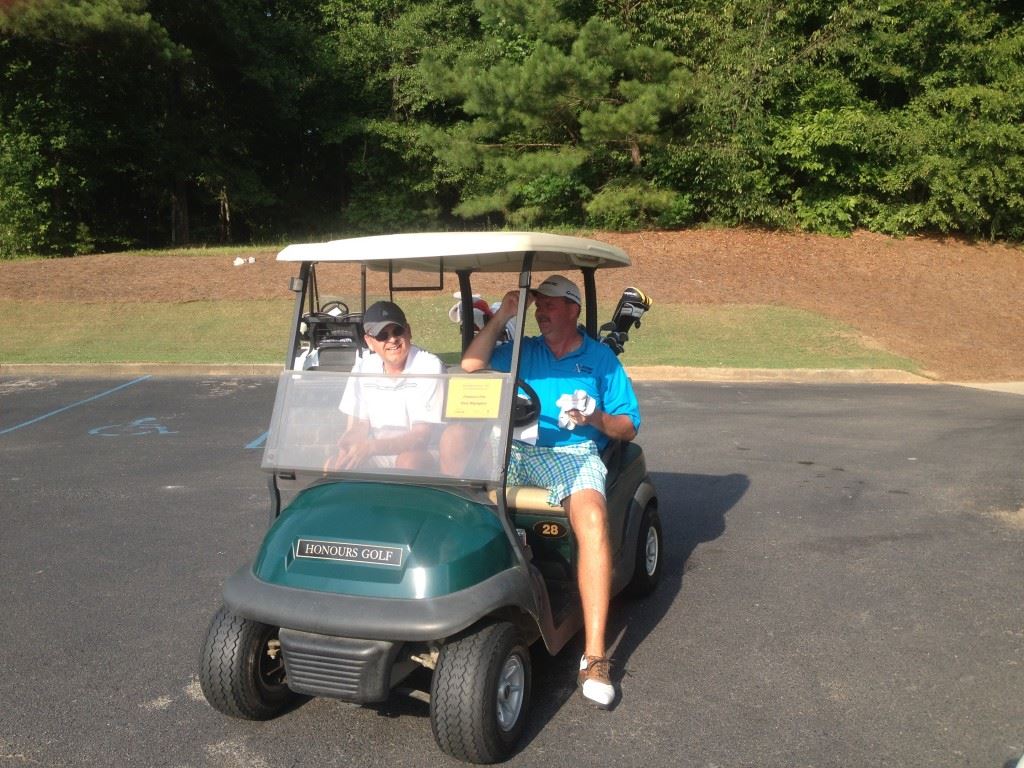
(843, 584)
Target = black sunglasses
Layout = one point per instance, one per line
(391, 332)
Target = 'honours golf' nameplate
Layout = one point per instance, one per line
(348, 553)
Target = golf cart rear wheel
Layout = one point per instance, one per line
(649, 554)
(480, 694)
(241, 670)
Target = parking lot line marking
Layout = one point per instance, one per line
(257, 442)
(74, 405)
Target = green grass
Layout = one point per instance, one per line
(758, 336)
(201, 331)
(257, 331)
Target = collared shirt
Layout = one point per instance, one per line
(591, 367)
(392, 404)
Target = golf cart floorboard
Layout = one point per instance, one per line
(564, 598)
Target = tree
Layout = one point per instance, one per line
(76, 119)
(391, 179)
(561, 119)
(250, 117)
(123, 123)
(912, 121)
(961, 168)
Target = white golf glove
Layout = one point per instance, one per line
(577, 401)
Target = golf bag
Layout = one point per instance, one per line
(633, 304)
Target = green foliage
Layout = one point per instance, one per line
(914, 123)
(963, 140)
(639, 206)
(390, 178)
(556, 109)
(75, 118)
(834, 154)
(745, 58)
(24, 210)
(163, 121)
(147, 122)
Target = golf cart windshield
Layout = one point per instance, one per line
(342, 424)
(462, 422)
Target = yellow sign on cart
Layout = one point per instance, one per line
(473, 397)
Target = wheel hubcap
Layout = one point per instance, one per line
(511, 684)
(270, 666)
(651, 551)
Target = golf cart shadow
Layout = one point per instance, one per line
(693, 509)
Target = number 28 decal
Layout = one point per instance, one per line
(550, 529)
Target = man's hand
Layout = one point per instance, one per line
(357, 454)
(509, 308)
(353, 448)
(349, 456)
(478, 353)
(575, 408)
(617, 427)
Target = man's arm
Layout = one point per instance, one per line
(415, 439)
(478, 353)
(357, 446)
(621, 420)
(616, 426)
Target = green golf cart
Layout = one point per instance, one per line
(368, 575)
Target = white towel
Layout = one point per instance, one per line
(577, 401)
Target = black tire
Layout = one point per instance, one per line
(649, 554)
(480, 694)
(236, 673)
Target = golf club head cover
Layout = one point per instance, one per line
(633, 304)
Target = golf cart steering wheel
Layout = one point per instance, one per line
(526, 407)
(325, 309)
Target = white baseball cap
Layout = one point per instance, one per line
(560, 287)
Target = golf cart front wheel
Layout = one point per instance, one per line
(649, 554)
(480, 694)
(241, 671)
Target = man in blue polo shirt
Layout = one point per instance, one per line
(586, 399)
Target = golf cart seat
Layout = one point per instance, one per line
(339, 343)
(528, 498)
(617, 457)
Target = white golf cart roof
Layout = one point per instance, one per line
(475, 251)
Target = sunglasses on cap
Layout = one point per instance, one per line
(391, 332)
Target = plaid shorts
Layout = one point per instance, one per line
(562, 469)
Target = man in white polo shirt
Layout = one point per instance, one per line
(392, 416)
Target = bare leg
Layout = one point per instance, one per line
(589, 517)
(416, 460)
(460, 448)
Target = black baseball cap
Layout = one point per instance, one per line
(380, 315)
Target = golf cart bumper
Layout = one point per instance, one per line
(359, 671)
(347, 647)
